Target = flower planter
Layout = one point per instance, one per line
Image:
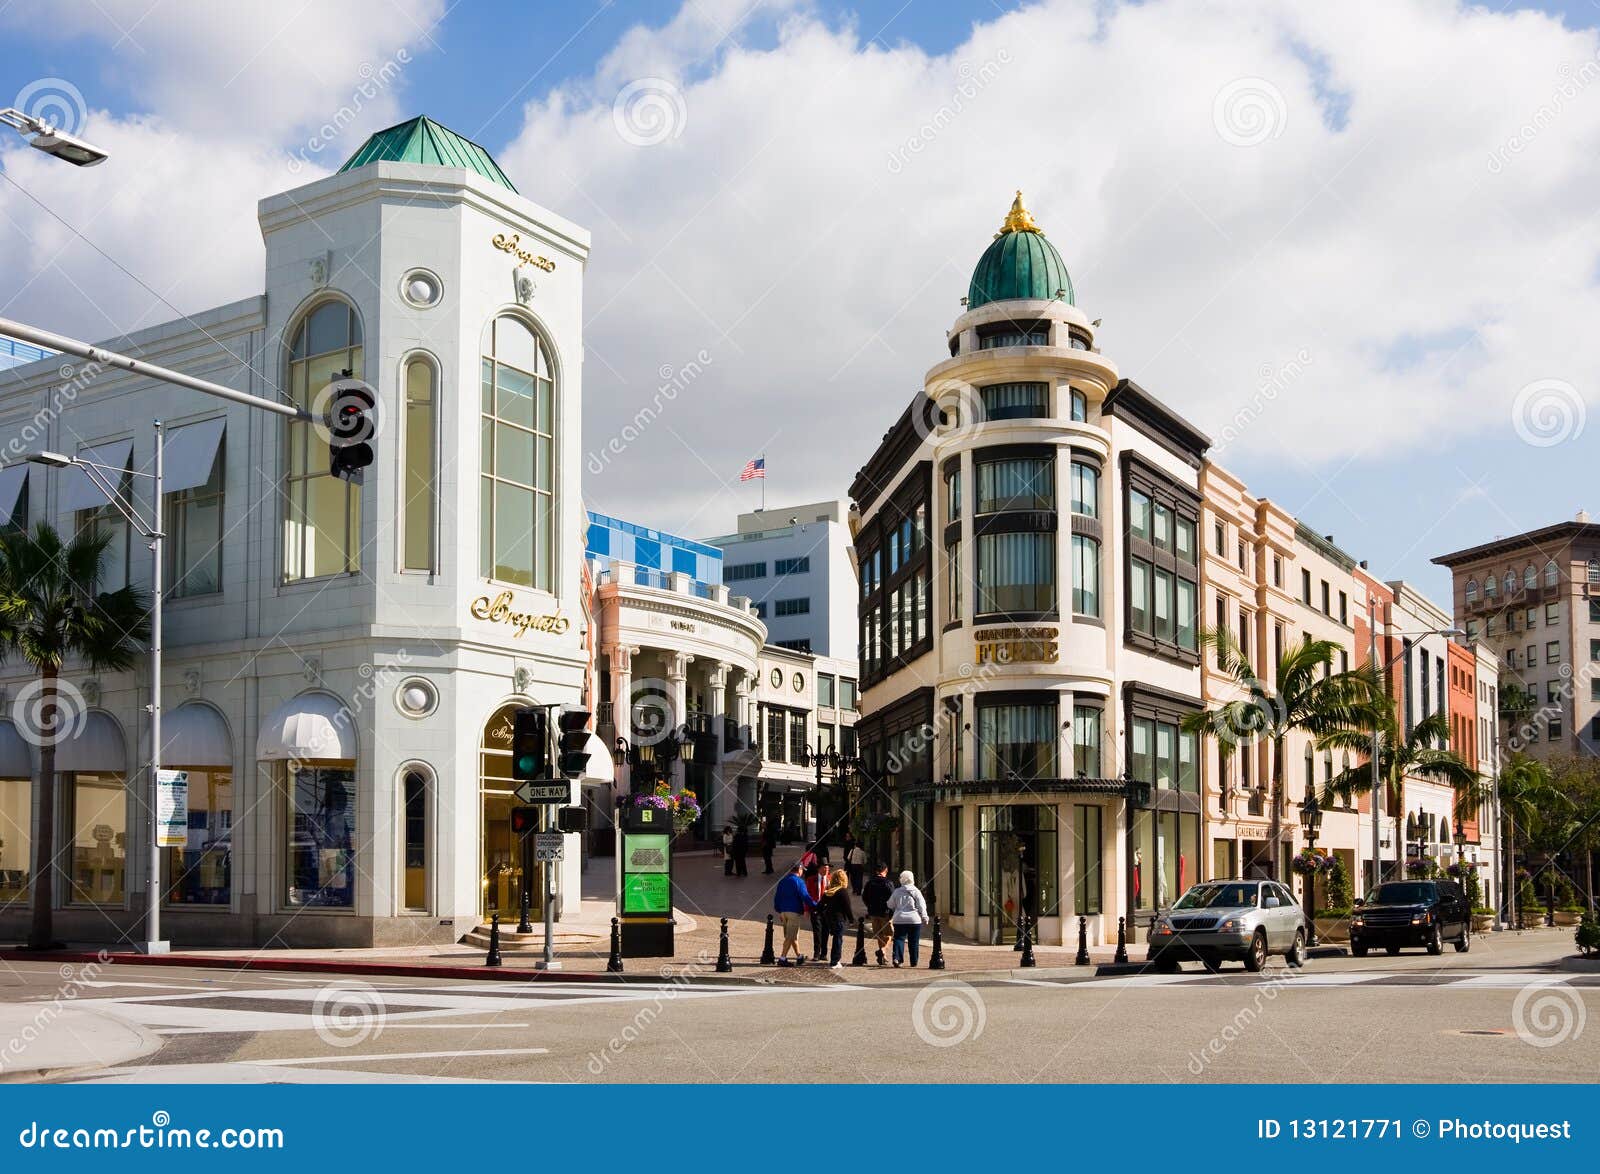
(1333, 927)
(1483, 922)
(1568, 916)
(1532, 918)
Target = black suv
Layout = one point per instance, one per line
(1424, 913)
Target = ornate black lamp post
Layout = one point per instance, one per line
(1311, 822)
(840, 770)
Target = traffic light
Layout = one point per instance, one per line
(351, 420)
(530, 745)
(572, 819)
(574, 754)
(524, 820)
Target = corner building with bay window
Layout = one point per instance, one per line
(1027, 535)
(340, 660)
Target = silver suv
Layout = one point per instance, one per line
(1230, 920)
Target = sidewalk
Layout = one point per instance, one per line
(39, 1039)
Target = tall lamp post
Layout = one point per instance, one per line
(51, 140)
(1311, 823)
(100, 475)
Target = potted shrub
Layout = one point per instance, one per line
(1588, 936)
(1528, 902)
(1333, 921)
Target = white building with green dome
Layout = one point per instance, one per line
(1028, 542)
(340, 659)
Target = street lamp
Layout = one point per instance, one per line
(1311, 822)
(1377, 774)
(98, 475)
(51, 140)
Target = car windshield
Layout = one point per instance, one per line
(1403, 893)
(1228, 896)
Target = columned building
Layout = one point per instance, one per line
(1028, 547)
(341, 660)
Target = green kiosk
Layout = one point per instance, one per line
(644, 882)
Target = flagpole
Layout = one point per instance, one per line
(763, 482)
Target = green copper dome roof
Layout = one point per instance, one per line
(1019, 264)
(422, 140)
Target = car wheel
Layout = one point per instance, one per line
(1391, 950)
(1435, 940)
(1297, 953)
(1464, 942)
(1166, 964)
(1256, 960)
(1211, 963)
(1357, 951)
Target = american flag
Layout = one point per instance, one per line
(754, 470)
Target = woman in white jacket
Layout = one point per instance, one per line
(908, 912)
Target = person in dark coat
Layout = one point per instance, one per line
(740, 850)
(837, 914)
(769, 844)
(875, 895)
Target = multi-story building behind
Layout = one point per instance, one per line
(1534, 598)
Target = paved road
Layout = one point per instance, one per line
(1503, 1012)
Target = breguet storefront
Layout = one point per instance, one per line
(341, 660)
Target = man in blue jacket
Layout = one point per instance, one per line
(789, 901)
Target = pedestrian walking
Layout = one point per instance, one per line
(816, 880)
(741, 849)
(855, 862)
(875, 896)
(789, 900)
(769, 844)
(909, 913)
(838, 914)
(726, 849)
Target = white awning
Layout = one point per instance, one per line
(97, 746)
(12, 479)
(599, 768)
(16, 757)
(190, 453)
(80, 493)
(312, 727)
(194, 735)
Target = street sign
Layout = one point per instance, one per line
(548, 791)
(547, 846)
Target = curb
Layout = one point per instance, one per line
(379, 969)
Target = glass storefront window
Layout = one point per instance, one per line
(322, 836)
(1087, 859)
(499, 853)
(1016, 572)
(957, 872)
(1166, 852)
(1018, 865)
(16, 840)
(1086, 741)
(201, 872)
(1016, 742)
(99, 828)
(1021, 483)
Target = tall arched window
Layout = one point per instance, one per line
(420, 500)
(1530, 578)
(1472, 590)
(321, 512)
(1511, 583)
(1551, 574)
(516, 524)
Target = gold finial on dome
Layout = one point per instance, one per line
(1019, 219)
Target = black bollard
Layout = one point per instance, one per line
(1122, 940)
(494, 942)
(614, 963)
(768, 958)
(860, 958)
(1083, 943)
(936, 959)
(724, 963)
(1027, 945)
(524, 925)
(1022, 925)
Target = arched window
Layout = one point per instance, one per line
(321, 512)
(416, 781)
(1511, 583)
(516, 521)
(419, 484)
(1551, 574)
(1472, 590)
(1594, 570)
(1530, 578)
(1491, 587)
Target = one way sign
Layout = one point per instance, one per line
(549, 791)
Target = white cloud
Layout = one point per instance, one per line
(1369, 229)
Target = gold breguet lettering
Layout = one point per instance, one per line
(498, 611)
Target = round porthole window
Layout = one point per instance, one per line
(421, 289)
(799, 683)
(777, 678)
(416, 697)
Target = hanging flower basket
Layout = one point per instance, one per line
(1422, 867)
(683, 806)
(1308, 863)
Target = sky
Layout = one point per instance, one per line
(1357, 244)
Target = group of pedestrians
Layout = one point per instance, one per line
(811, 887)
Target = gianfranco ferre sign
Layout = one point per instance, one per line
(499, 611)
(1016, 645)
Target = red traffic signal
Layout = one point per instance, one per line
(351, 418)
(524, 820)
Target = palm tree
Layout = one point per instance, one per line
(1423, 753)
(1306, 695)
(1528, 796)
(50, 611)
